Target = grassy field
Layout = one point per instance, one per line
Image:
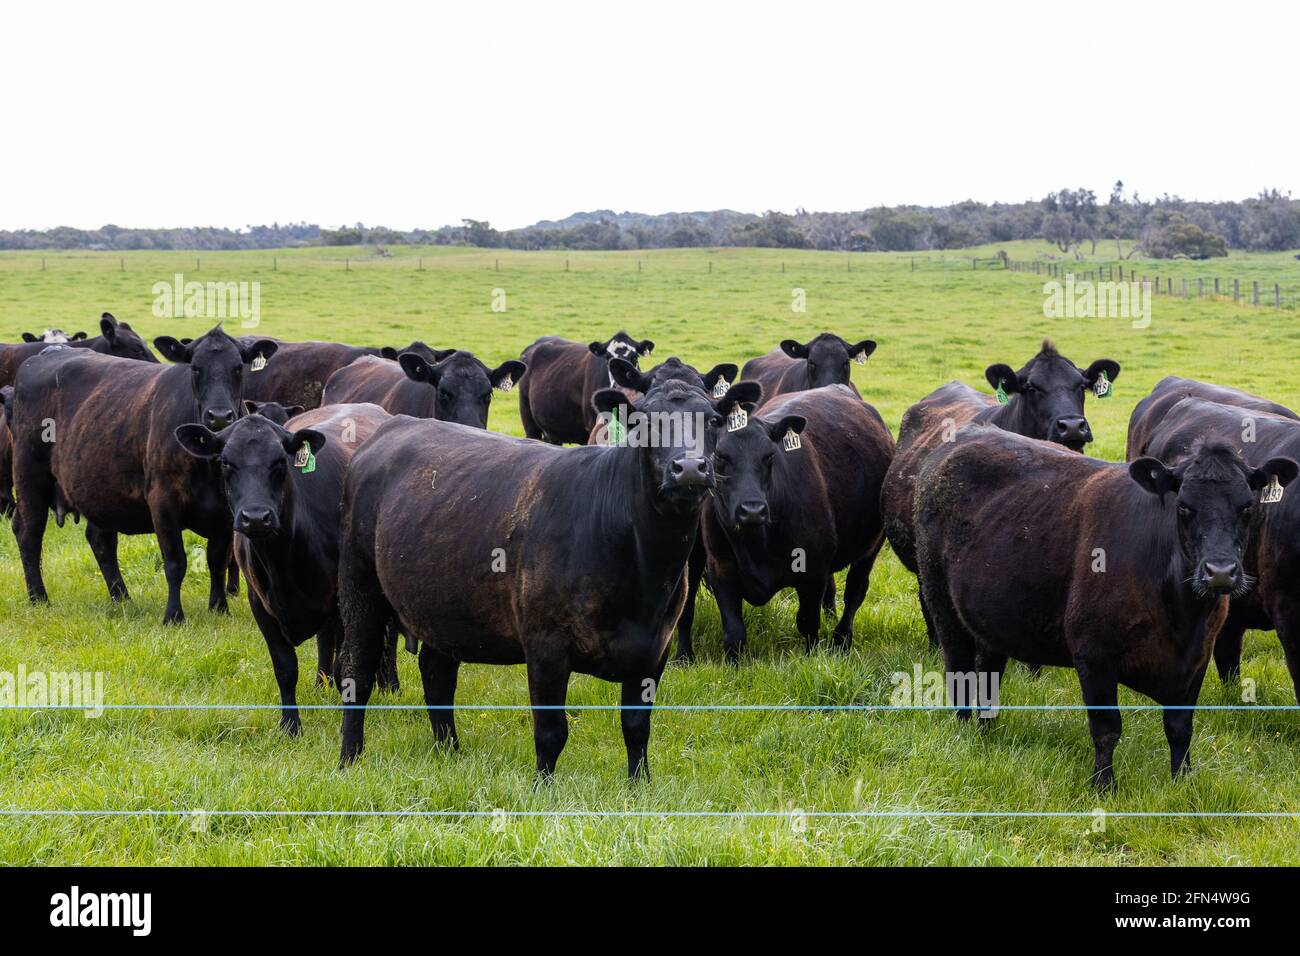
(939, 322)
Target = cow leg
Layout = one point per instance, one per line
(548, 686)
(366, 614)
(387, 677)
(531, 428)
(855, 592)
(1286, 619)
(1227, 650)
(219, 549)
(103, 544)
(636, 700)
(957, 643)
(438, 673)
(1178, 728)
(808, 619)
(828, 597)
(327, 644)
(232, 570)
(284, 661)
(35, 494)
(930, 632)
(694, 571)
(728, 599)
(1101, 694)
(989, 668)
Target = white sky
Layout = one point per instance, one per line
(231, 113)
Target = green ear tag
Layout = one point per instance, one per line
(1001, 393)
(305, 459)
(617, 434)
(1101, 388)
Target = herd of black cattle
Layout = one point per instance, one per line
(364, 501)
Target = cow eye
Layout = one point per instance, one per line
(1184, 511)
(445, 395)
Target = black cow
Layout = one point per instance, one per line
(798, 498)
(634, 383)
(453, 387)
(555, 396)
(1043, 400)
(1273, 559)
(795, 366)
(6, 452)
(297, 373)
(272, 411)
(1123, 572)
(54, 337)
(1170, 390)
(500, 550)
(98, 431)
(285, 506)
(115, 338)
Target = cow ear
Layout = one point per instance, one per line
(863, 349)
(441, 355)
(389, 353)
(795, 350)
(725, 372)
(1109, 366)
(28, 337)
(1284, 469)
(790, 423)
(263, 347)
(597, 348)
(200, 442)
(292, 410)
(608, 399)
(304, 436)
(742, 393)
(417, 369)
(171, 349)
(77, 337)
(628, 375)
(108, 326)
(1153, 476)
(512, 369)
(645, 347)
(1002, 374)
(251, 407)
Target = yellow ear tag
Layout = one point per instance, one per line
(258, 363)
(737, 420)
(791, 442)
(1272, 492)
(720, 387)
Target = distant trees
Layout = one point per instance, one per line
(1066, 218)
(1170, 236)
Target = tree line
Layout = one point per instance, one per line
(1071, 219)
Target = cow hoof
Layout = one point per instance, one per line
(177, 618)
(348, 756)
(292, 727)
(219, 608)
(1103, 781)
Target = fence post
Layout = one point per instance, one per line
(275, 263)
(1216, 285)
(1277, 296)
(347, 264)
(42, 263)
(1236, 289)
(1256, 299)
(122, 264)
(198, 264)
(1200, 288)
(566, 265)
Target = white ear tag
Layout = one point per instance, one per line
(860, 358)
(506, 384)
(791, 442)
(303, 456)
(737, 420)
(258, 363)
(1272, 492)
(720, 387)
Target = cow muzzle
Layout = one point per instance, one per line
(218, 418)
(1221, 577)
(256, 522)
(688, 473)
(1072, 431)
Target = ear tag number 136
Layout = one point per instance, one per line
(737, 420)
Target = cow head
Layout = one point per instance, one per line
(464, 384)
(272, 411)
(673, 428)
(216, 364)
(622, 346)
(255, 455)
(53, 337)
(1216, 498)
(430, 354)
(827, 357)
(120, 339)
(627, 375)
(1046, 396)
(747, 463)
